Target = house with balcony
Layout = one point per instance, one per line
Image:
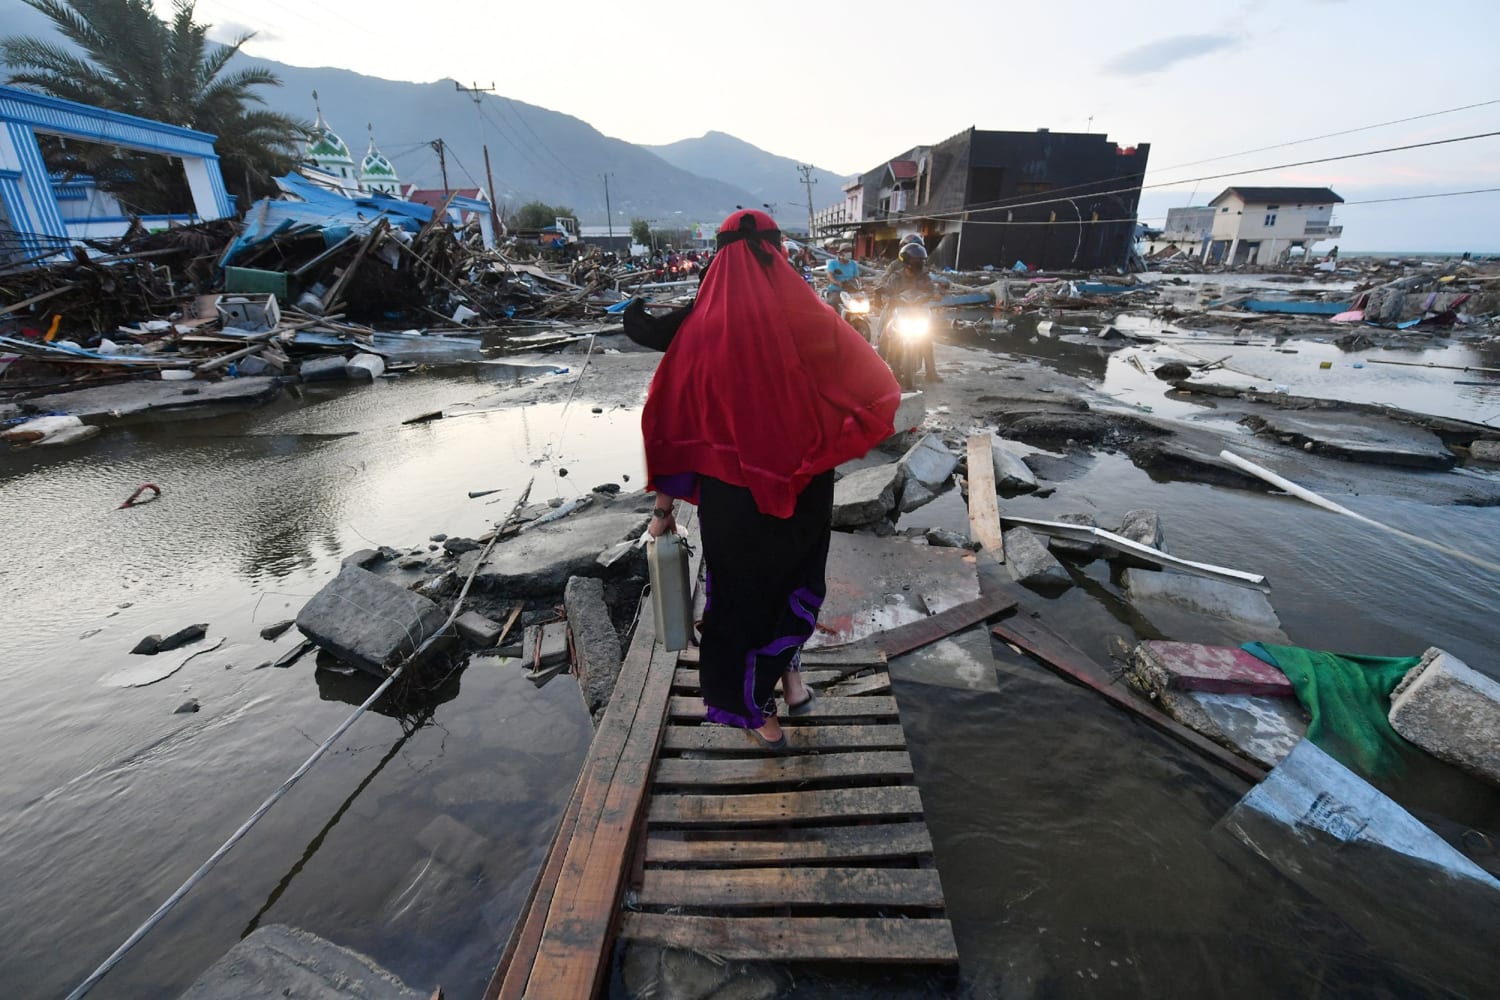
(1261, 225)
(1053, 200)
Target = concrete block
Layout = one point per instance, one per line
(929, 462)
(478, 629)
(368, 622)
(539, 561)
(1452, 711)
(324, 369)
(915, 494)
(1143, 526)
(594, 639)
(364, 366)
(1204, 609)
(277, 962)
(911, 411)
(866, 496)
(1190, 666)
(1485, 451)
(1070, 549)
(1012, 475)
(1029, 562)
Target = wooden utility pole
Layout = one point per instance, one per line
(438, 145)
(609, 218)
(499, 227)
(808, 180)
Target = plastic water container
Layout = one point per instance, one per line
(671, 591)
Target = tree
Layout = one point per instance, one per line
(133, 62)
(640, 232)
(539, 215)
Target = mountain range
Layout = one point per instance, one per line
(535, 153)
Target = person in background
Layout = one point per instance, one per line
(762, 392)
(912, 280)
(842, 270)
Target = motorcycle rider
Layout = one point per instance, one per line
(843, 273)
(911, 280)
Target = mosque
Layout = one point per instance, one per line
(328, 162)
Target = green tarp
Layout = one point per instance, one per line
(1349, 699)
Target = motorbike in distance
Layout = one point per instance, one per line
(854, 308)
(906, 333)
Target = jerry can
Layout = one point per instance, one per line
(671, 591)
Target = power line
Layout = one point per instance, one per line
(517, 116)
(1331, 135)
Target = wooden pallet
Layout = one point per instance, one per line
(819, 855)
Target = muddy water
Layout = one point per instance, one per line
(1077, 847)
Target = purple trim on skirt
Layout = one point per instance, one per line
(724, 718)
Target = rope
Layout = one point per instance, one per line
(161, 911)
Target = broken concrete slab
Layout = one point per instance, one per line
(1166, 460)
(1197, 608)
(1012, 475)
(945, 538)
(1189, 666)
(368, 622)
(866, 496)
(539, 561)
(878, 583)
(1487, 452)
(324, 369)
(963, 662)
(1261, 729)
(1030, 563)
(594, 639)
(478, 629)
(1452, 711)
(1356, 438)
(929, 462)
(910, 412)
(915, 494)
(276, 962)
(105, 404)
(1143, 526)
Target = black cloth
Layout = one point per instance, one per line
(765, 583)
(654, 332)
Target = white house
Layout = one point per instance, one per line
(1258, 225)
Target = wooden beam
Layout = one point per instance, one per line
(984, 498)
(866, 842)
(746, 888)
(825, 707)
(793, 939)
(1062, 657)
(787, 770)
(914, 635)
(726, 739)
(786, 807)
(850, 655)
(687, 678)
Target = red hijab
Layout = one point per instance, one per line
(764, 386)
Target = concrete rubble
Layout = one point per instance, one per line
(367, 621)
(1452, 711)
(276, 962)
(595, 641)
(866, 496)
(1029, 561)
(1197, 608)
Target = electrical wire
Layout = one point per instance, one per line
(546, 148)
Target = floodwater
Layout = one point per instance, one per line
(1077, 847)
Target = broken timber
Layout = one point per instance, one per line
(819, 855)
(984, 497)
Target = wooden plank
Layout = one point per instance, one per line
(872, 684)
(866, 842)
(783, 770)
(799, 939)
(575, 946)
(686, 707)
(984, 498)
(816, 656)
(914, 635)
(731, 888)
(687, 678)
(1062, 657)
(786, 807)
(726, 739)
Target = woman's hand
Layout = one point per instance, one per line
(662, 519)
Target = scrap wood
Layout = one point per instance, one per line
(1025, 630)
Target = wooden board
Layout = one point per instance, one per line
(687, 707)
(687, 678)
(725, 739)
(871, 684)
(790, 769)
(815, 656)
(730, 888)
(792, 939)
(1066, 659)
(786, 807)
(866, 842)
(984, 498)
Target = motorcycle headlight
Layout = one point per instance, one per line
(912, 325)
(858, 306)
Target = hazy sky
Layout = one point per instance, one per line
(847, 85)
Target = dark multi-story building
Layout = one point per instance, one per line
(1052, 200)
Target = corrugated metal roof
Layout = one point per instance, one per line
(1280, 195)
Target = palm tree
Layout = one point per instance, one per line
(129, 60)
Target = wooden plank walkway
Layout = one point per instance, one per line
(818, 855)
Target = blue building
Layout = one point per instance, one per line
(33, 219)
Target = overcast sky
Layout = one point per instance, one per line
(847, 85)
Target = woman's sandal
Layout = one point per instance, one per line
(802, 707)
(778, 745)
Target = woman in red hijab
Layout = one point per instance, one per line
(762, 392)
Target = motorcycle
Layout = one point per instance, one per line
(906, 334)
(854, 308)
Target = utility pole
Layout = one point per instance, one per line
(499, 227)
(808, 180)
(438, 145)
(476, 93)
(609, 218)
